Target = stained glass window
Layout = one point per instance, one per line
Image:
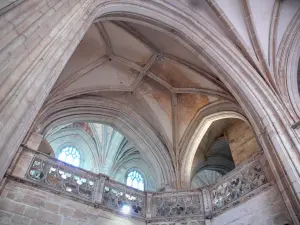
(70, 155)
(135, 180)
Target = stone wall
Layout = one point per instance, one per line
(242, 141)
(6, 5)
(21, 204)
(267, 208)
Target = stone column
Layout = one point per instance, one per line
(207, 203)
(37, 38)
(99, 190)
(148, 205)
(34, 141)
(21, 163)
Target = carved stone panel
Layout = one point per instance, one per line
(124, 199)
(64, 178)
(236, 186)
(179, 205)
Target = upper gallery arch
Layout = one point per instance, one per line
(139, 132)
(247, 80)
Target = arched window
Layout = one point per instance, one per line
(135, 180)
(70, 155)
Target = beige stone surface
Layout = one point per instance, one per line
(37, 207)
(267, 208)
(257, 66)
(242, 141)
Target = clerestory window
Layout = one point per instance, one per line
(135, 180)
(70, 155)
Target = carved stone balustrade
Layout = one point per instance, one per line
(179, 205)
(240, 184)
(51, 173)
(172, 208)
(118, 197)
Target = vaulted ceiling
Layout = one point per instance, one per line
(102, 149)
(149, 70)
(116, 61)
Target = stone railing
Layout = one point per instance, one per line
(178, 205)
(56, 175)
(121, 198)
(239, 184)
(189, 207)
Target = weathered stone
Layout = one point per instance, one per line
(264, 91)
(5, 217)
(255, 211)
(19, 220)
(51, 207)
(34, 201)
(79, 215)
(10, 195)
(36, 222)
(31, 212)
(11, 206)
(242, 141)
(65, 211)
(68, 221)
(49, 217)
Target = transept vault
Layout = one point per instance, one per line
(199, 99)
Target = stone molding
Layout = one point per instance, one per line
(196, 138)
(40, 170)
(241, 184)
(286, 73)
(122, 118)
(33, 55)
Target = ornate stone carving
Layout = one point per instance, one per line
(177, 207)
(117, 196)
(237, 186)
(64, 178)
(180, 204)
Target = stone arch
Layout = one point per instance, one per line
(120, 117)
(269, 118)
(142, 166)
(222, 165)
(287, 70)
(195, 140)
(87, 157)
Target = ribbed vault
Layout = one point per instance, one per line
(207, 56)
(102, 149)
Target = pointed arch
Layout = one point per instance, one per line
(196, 138)
(120, 117)
(37, 73)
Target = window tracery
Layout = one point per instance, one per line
(70, 155)
(136, 180)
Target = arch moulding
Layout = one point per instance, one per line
(28, 76)
(287, 70)
(120, 117)
(196, 138)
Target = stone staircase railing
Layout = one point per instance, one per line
(240, 184)
(38, 169)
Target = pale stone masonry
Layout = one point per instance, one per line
(252, 60)
(21, 204)
(266, 208)
(242, 141)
